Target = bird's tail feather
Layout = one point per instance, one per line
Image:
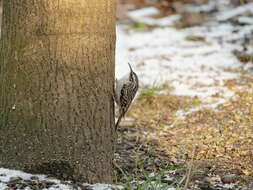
(119, 120)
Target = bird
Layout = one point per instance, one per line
(124, 93)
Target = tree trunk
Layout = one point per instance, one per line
(56, 79)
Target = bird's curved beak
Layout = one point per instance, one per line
(130, 67)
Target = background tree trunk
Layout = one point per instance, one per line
(56, 75)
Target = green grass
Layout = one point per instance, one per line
(150, 91)
(148, 183)
(145, 181)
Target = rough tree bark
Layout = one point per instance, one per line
(56, 75)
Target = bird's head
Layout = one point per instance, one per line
(132, 75)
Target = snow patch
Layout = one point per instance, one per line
(193, 68)
(144, 15)
(225, 15)
(7, 174)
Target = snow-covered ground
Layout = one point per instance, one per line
(193, 68)
(6, 176)
(26, 181)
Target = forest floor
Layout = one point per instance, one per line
(195, 104)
